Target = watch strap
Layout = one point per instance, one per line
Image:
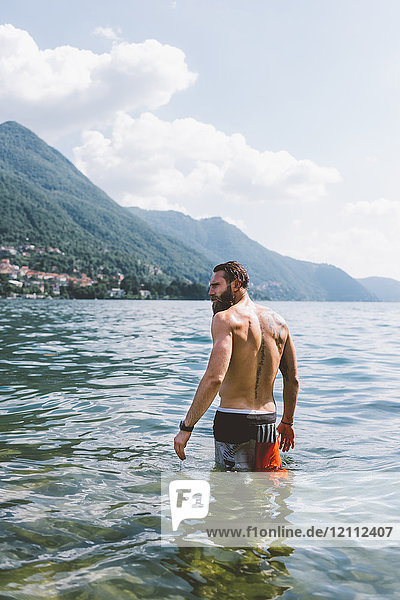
(184, 427)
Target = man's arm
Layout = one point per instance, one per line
(212, 379)
(288, 368)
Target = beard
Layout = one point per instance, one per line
(223, 302)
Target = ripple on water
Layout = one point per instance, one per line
(90, 400)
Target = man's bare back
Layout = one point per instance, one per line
(259, 337)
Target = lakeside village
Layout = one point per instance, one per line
(23, 282)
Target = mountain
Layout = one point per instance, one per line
(278, 277)
(46, 201)
(384, 288)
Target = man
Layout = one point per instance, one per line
(250, 343)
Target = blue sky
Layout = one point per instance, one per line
(282, 117)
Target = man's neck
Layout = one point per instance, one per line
(240, 296)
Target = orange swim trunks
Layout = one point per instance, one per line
(246, 440)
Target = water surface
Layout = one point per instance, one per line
(91, 394)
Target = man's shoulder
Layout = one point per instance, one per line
(225, 320)
(271, 315)
(221, 324)
(222, 317)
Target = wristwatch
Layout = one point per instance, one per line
(184, 427)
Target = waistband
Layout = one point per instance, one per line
(245, 411)
(241, 427)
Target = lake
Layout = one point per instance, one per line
(91, 395)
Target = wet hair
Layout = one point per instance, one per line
(233, 270)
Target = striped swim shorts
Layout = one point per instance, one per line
(246, 440)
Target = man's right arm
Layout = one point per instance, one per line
(212, 379)
(288, 368)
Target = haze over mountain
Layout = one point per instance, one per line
(384, 288)
(280, 277)
(46, 200)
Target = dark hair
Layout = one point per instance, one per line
(233, 270)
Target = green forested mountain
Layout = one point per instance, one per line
(46, 200)
(279, 277)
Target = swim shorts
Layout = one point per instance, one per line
(246, 440)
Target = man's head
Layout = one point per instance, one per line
(227, 285)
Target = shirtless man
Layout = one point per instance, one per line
(250, 344)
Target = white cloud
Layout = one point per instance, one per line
(379, 207)
(66, 88)
(109, 33)
(152, 203)
(192, 164)
(239, 223)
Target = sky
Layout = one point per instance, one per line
(280, 117)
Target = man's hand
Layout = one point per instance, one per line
(180, 441)
(286, 433)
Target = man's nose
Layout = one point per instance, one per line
(210, 292)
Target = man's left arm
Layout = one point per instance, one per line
(211, 381)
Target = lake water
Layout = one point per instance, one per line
(91, 395)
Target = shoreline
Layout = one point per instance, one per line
(199, 300)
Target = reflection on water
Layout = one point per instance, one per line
(91, 394)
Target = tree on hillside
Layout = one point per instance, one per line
(130, 284)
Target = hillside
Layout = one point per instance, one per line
(279, 277)
(384, 288)
(46, 201)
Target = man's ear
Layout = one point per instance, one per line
(236, 285)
